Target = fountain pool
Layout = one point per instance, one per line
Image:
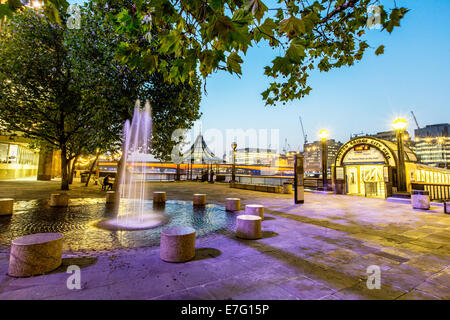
(78, 222)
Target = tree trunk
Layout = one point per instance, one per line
(64, 175)
(118, 179)
(72, 168)
(92, 169)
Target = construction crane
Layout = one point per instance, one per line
(305, 137)
(286, 146)
(415, 120)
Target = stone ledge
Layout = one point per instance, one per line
(257, 187)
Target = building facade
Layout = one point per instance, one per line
(392, 136)
(367, 166)
(255, 156)
(17, 159)
(313, 155)
(432, 145)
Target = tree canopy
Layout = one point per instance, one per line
(216, 34)
(175, 37)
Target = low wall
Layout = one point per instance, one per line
(16, 171)
(257, 187)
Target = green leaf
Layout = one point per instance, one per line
(394, 18)
(292, 27)
(221, 28)
(296, 51)
(14, 4)
(234, 63)
(257, 7)
(150, 62)
(5, 11)
(380, 50)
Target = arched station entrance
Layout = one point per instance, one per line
(366, 166)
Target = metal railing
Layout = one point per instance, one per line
(437, 191)
(309, 183)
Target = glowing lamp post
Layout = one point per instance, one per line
(233, 170)
(399, 126)
(323, 134)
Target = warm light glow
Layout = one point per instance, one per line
(441, 140)
(428, 140)
(323, 134)
(417, 139)
(36, 4)
(399, 124)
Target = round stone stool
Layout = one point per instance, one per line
(177, 244)
(59, 200)
(255, 210)
(35, 254)
(110, 196)
(420, 199)
(199, 199)
(6, 206)
(159, 197)
(248, 227)
(233, 204)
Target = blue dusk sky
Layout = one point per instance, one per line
(412, 75)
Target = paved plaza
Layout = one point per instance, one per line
(318, 250)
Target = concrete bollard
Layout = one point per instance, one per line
(159, 197)
(35, 254)
(59, 200)
(233, 204)
(420, 199)
(248, 227)
(6, 206)
(255, 210)
(110, 196)
(177, 244)
(199, 199)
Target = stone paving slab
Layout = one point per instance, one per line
(319, 250)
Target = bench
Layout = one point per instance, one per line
(102, 183)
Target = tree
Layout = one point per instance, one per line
(118, 85)
(39, 93)
(65, 88)
(216, 34)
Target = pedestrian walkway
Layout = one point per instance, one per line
(318, 250)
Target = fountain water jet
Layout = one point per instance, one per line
(132, 211)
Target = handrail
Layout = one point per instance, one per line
(438, 191)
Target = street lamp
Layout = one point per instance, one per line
(233, 170)
(399, 126)
(323, 134)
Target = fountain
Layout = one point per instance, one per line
(133, 212)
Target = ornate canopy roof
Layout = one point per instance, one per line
(200, 153)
